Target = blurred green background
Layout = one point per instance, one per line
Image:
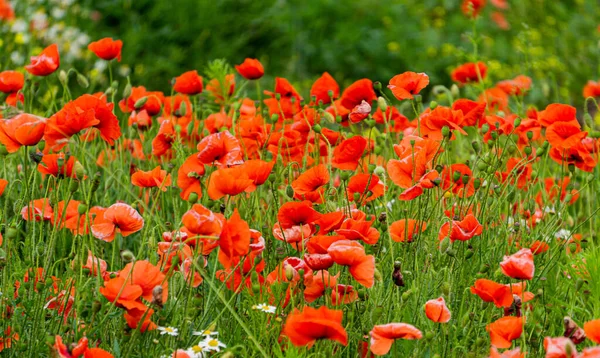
(554, 42)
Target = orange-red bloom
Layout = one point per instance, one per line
(352, 254)
(461, 230)
(383, 336)
(407, 84)
(156, 178)
(515, 87)
(472, 8)
(320, 90)
(559, 347)
(11, 81)
(437, 311)
(514, 353)
(348, 153)
(251, 69)
(55, 165)
(297, 213)
(221, 149)
(46, 63)
(228, 181)
(120, 217)
(310, 185)
(505, 330)
(107, 48)
(189, 175)
(23, 129)
(591, 89)
(519, 265)
(361, 90)
(304, 328)
(469, 72)
(189, 83)
(405, 230)
(490, 291)
(592, 330)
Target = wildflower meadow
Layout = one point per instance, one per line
(234, 213)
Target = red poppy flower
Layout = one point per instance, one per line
(348, 153)
(147, 276)
(458, 187)
(516, 167)
(591, 352)
(515, 87)
(203, 222)
(490, 291)
(473, 112)
(107, 48)
(359, 112)
(557, 112)
(405, 230)
(434, 121)
(258, 171)
(577, 155)
(84, 112)
(519, 265)
(55, 165)
(462, 230)
(140, 319)
(392, 119)
(472, 8)
(23, 129)
(469, 72)
(320, 89)
(235, 236)
(407, 84)
(156, 178)
(37, 210)
(11, 81)
(343, 294)
(189, 83)
(189, 175)
(162, 143)
(3, 184)
(7, 13)
(316, 283)
(592, 330)
(153, 101)
(228, 181)
(383, 336)
(437, 311)
(352, 254)
(297, 213)
(250, 69)
(353, 229)
(560, 347)
(361, 90)
(505, 330)
(368, 186)
(220, 149)
(564, 135)
(46, 63)
(120, 217)
(304, 328)
(318, 261)
(310, 185)
(123, 292)
(220, 92)
(591, 89)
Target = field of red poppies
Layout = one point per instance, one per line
(236, 217)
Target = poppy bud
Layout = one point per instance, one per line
(79, 170)
(193, 198)
(494, 135)
(157, 293)
(356, 197)
(476, 146)
(274, 118)
(63, 77)
(465, 179)
(571, 167)
(446, 131)
(450, 252)
(73, 186)
(455, 91)
(485, 128)
(527, 150)
(377, 275)
(429, 336)
(127, 256)
(289, 191)
(456, 176)
(81, 209)
(397, 276)
(140, 102)
(406, 295)
(338, 119)
(469, 254)
(371, 168)
(317, 128)
(127, 90)
(497, 190)
(344, 175)
(445, 288)
(540, 152)
(289, 272)
(182, 109)
(36, 156)
(518, 123)
(587, 118)
(377, 86)
(83, 82)
(3, 150)
(477, 183)
(595, 134)
(96, 182)
(382, 104)
(328, 117)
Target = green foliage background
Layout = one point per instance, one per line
(555, 42)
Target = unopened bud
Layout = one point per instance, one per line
(485, 128)
(62, 77)
(79, 170)
(127, 256)
(127, 90)
(433, 105)
(193, 198)
(81, 209)
(140, 102)
(317, 128)
(73, 186)
(157, 295)
(289, 191)
(382, 104)
(446, 131)
(83, 82)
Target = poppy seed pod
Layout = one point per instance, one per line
(518, 123)
(485, 128)
(81, 209)
(397, 276)
(446, 131)
(127, 256)
(527, 150)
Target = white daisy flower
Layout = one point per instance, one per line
(196, 351)
(563, 234)
(265, 308)
(206, 333)
(171, 331)
(212, 344)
